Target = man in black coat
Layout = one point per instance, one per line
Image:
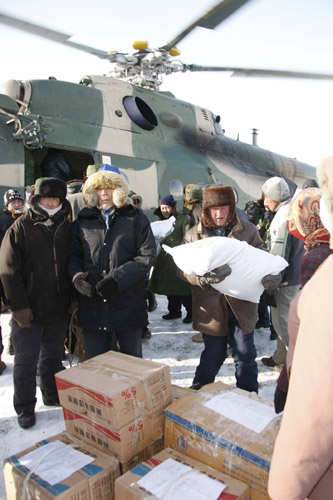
(112, 250)
(33, 270)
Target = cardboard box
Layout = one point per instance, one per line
(128, 489)
(115, 388)
(143, 455)
(125, 442)
(179, 392)
(95, 481)
(234, 444)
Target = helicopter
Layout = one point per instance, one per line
(157, 141)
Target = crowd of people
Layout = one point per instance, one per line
(90, 244)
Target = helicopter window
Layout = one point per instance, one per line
(140, 113)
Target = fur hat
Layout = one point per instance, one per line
(109, 180)
(12, 195)
(218, 196)
(277, 189)
(50, 187)
(168, 200)
(109, 168)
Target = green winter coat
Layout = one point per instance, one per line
(164, 279)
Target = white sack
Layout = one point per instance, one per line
(248, 264)
(162, 228)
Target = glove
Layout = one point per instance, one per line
(271, 282)
(280, 398)
(215, 276)
(82, 285)
(22, 317)
(107, 287)
(268, 299)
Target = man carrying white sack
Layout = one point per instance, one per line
(217, 315)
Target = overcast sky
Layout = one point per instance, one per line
(293, 116)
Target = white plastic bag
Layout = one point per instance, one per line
(248, 264)
(162, 228)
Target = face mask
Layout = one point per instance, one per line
(51, 211)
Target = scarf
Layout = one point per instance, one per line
(304, 220)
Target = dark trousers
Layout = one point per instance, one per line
(43, 343)
(175, 303)
(244, 354)
(263, 312)
(130, 342)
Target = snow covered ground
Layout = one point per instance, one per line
(170, 344)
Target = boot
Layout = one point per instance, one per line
(197, 337)
(196, 384)
(152, 304)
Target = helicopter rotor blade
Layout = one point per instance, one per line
(210, 20)
(261, 73)
(55, 36)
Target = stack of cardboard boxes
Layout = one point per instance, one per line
(113, 408)
(116, 403)
(117, 410)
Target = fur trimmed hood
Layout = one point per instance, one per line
(108, 180)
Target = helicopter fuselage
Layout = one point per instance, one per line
(151, 136)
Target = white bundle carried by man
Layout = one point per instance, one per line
(248, 264)
(162, 228)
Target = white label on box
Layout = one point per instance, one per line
(55, 461)
(172, 480)
(252, 414)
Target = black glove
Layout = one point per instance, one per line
(107, 287)
(269, 300)
(82, 285)
(280, 398)
(215, 276)
(271, 282)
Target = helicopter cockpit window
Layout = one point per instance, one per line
(140, 113)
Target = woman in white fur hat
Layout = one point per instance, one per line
(112, 250)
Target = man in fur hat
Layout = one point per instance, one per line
(217, 316)
(277, 199)
(112, 250)
(33, 271)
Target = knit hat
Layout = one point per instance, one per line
(12, 195)
(109, 168)
(218, 196)
(109, 180)
(168, 200)
(50, 187)
(277, 189)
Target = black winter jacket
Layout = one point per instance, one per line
(126, 252)
(33, 264)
